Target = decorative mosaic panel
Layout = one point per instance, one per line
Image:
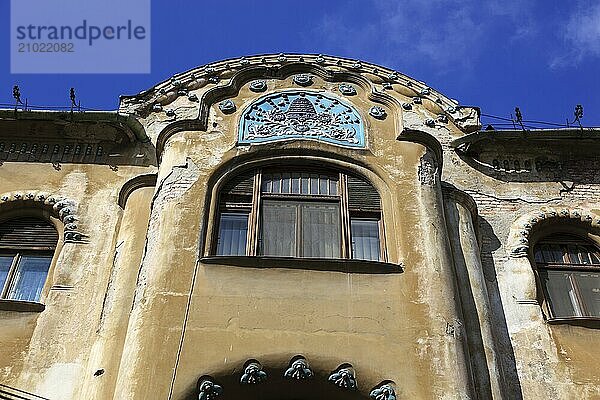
(302, 115)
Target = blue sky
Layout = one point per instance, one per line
(540, 55)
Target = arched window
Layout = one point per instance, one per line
(300, 212)
(569, 273)
(27, 246)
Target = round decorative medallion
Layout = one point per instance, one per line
(377, 112)
(303, 79)
(258, 85)
(227, 106)
(347, 89)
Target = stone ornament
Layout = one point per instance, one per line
(377, 112)
(299, 370)
(427, 170)
(259, 85)
(170, 112)
(157, 107)
(227, 106)
(425, 91)
(208, 390)
(303, 79)
(407, 106)
(417, 100)
(387, 86)
(63, 208)
(347, 89)
(522, 228)
(301, 115)
(192, 97)
(344, 378)
(383, 392)
(253, 374)
(430, 122)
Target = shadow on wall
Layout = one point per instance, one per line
(552, 167)
(511, 386)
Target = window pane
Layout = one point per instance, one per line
(278, 228)
(5, 263)
(321, 230)
(589, 288)
(304, 184)
(30, 277)
(365, 239)
(233, 228)
(559, 292)
(285, 183)
(296, 184)
(314, 184)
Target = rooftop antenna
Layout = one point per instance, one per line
(17, 97)
(519, 117)
(578, 115)
(74, 103)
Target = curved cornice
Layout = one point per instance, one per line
(58, 206)
(231, 89)
(427, 140)
(141, 181)
(213, 73)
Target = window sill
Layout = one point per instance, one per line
(317, 264)
(588, 322)
(22, 306)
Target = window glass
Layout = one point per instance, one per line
(30, 276)
(5, 263)
(233, 230)
(279, 228)
(321, 230)
(559, 290)
(589, 288)
(569, 274)
(365, 239)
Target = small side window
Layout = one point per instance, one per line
(26, 249)
(569, 271)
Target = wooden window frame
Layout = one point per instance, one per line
(253, 245)
(567, 265)
(17, 250)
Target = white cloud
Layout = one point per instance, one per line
(581, 36)
(446, 34)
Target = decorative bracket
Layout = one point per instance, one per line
(253, 373)
(344, 377)
(299, 370)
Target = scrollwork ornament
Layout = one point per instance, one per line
(407, 106)
(377, 112)
(208, 390)
(347, 89)
(227, 106)
(253, 374)
(383, 392)
(303, 79)
(299, 370)
(344, 378)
